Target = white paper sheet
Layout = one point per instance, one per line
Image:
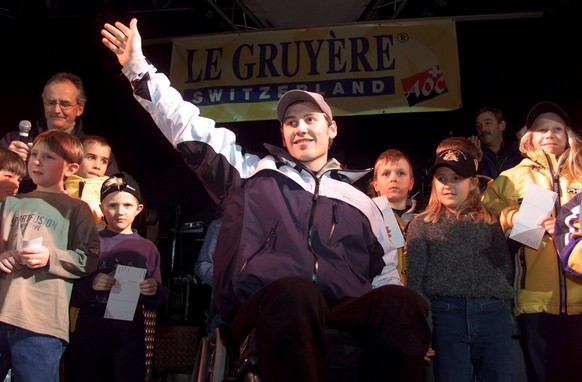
(124, 295)
(537, 204)
(390, 220)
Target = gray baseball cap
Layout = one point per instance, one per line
(296, 95)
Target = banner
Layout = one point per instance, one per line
(391, 67)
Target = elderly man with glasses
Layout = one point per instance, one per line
(64, 102)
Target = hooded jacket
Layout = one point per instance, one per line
(540, 282)
(280, 218)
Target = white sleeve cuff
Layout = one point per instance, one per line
(136, 69)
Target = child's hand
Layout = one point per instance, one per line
(103, 282)
(34, 257)
(548, 223)
(148, 287)
(9, 261)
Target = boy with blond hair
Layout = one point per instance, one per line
(86, 183)
(48, 240)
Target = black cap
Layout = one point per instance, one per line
(545, 107)
(121, 182)
(457, 160)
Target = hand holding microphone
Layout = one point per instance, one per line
(23, 144)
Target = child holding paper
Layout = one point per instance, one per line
(103, 349)
(36, 280)
(549, 301)
(394, 180)
(459, 262)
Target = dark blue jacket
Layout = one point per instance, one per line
(493, 164)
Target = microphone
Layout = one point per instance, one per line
(24, 126)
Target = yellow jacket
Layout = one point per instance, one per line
(90, 192)
(541, 284)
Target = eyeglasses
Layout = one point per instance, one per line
(64, 105)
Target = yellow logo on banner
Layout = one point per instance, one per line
(360, 69)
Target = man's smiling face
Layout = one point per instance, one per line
(307, 134)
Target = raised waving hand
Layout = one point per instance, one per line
(122, 40)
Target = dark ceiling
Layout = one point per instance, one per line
(210, 16)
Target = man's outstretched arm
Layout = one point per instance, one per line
(180, 121)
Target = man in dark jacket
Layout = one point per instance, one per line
(300, 249)
(498, 154)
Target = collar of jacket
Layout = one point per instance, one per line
(548, 161)
(333, 166)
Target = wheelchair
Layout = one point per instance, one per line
(215, 356)
(217, 361)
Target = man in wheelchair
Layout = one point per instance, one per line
(300, 249)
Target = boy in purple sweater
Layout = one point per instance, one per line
(104, 349)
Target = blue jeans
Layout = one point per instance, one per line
(33, 357)
(472, 339)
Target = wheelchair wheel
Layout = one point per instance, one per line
(200, 368)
